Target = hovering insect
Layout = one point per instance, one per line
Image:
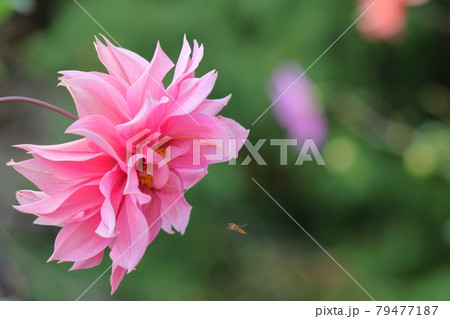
(234, 227)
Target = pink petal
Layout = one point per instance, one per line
(214, 136)
(150, 81)
(152, 212)
(156, 116)
(132, 183)
(236, 132)
(185, 66)
(194, 158)
(129, 130)
(40, 176)
(61, 221)
(79, 170)
(174, 208)
(118, 83)
(88, 263)
(133, 237)
(92, 95)
(160, 170)
(78, 150)
(166, 226)
(177, 212)
(190, 176)
(101, 132)
(197, 56)
(112, 187)
(63, 160)
(120, 62)
(148, 119)
(78, 241)
(66, 204)
(212, 107)
(195, 125)
(117, 275)
(176, 148)
(183, 59)
(27, 197)
(192, 92)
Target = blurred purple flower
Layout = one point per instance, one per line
(297, 110)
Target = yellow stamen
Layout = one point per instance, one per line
(161, 151)
(145, 180)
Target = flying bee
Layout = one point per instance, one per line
(234, 227)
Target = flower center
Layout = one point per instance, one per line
(145, 180)
(161, 151)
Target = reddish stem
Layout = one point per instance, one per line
(38, 102)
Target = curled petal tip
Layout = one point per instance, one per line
(110, 234)
(105, 38)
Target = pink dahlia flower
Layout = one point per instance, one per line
(386, 19)
(109, 189)
(297, 109)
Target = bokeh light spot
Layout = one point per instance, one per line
(340, 154)
(420, 159)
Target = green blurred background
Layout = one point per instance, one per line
(380, 206)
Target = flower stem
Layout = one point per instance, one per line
(38, 102)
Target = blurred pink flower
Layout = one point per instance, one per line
(297, 110)
(97, 192)
(386, 19)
